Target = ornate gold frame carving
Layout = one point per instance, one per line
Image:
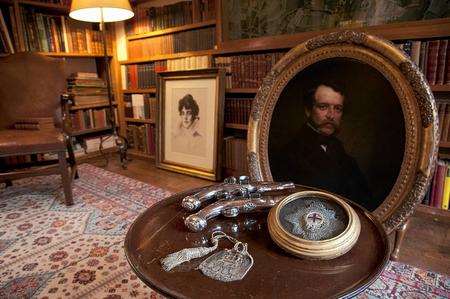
(416, 100)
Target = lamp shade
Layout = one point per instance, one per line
(94, 10)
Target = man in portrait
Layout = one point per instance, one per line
(186, 136)
(316, 157)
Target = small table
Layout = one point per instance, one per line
(275, 274)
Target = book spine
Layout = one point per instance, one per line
(64, 35)
(446, 193)
(442, 59)
(433, 51)
(440, 178)
(15, 31)
(5, 33)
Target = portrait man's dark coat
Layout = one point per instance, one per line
(315, 160)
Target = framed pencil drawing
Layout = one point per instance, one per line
(190, 122)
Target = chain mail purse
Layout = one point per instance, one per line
(314, 225)
(226, 265)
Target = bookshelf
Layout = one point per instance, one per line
(241, 90)
(140, 90)
(444, 144)
(236, 126)
(440, 88)
(209, 23)
(137, 120)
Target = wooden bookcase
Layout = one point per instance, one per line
(413, 30)
(89, 58)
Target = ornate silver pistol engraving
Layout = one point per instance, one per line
(233, 197)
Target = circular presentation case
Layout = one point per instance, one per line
(314, 225)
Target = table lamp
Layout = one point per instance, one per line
(102, 11)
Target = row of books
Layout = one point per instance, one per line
(144, 75)
(444, 120)
(140, 106)
(55, 33)
(189, 63)
(142, 138)
(237, 110)
(192, 40)
(432, 57)
(87, 89)
(89, 119)
(247, 71)
(235, 155)
(439, 192)
(178, 14)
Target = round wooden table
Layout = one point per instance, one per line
(275, 274)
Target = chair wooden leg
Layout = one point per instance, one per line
(66, 178)
(399, 236)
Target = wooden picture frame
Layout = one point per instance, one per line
(410, 98)
(190, 122)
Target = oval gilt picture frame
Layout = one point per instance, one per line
(384, 123)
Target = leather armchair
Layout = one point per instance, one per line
(30, 90)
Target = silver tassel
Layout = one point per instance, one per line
(187, 254)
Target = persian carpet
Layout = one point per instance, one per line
(48, 250)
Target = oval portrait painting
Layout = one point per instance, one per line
(338, 126)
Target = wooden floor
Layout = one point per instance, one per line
(426, 244)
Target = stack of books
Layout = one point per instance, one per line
(87, 89)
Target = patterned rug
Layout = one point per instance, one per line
(48, 250)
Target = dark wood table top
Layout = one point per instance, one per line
(275, 274)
